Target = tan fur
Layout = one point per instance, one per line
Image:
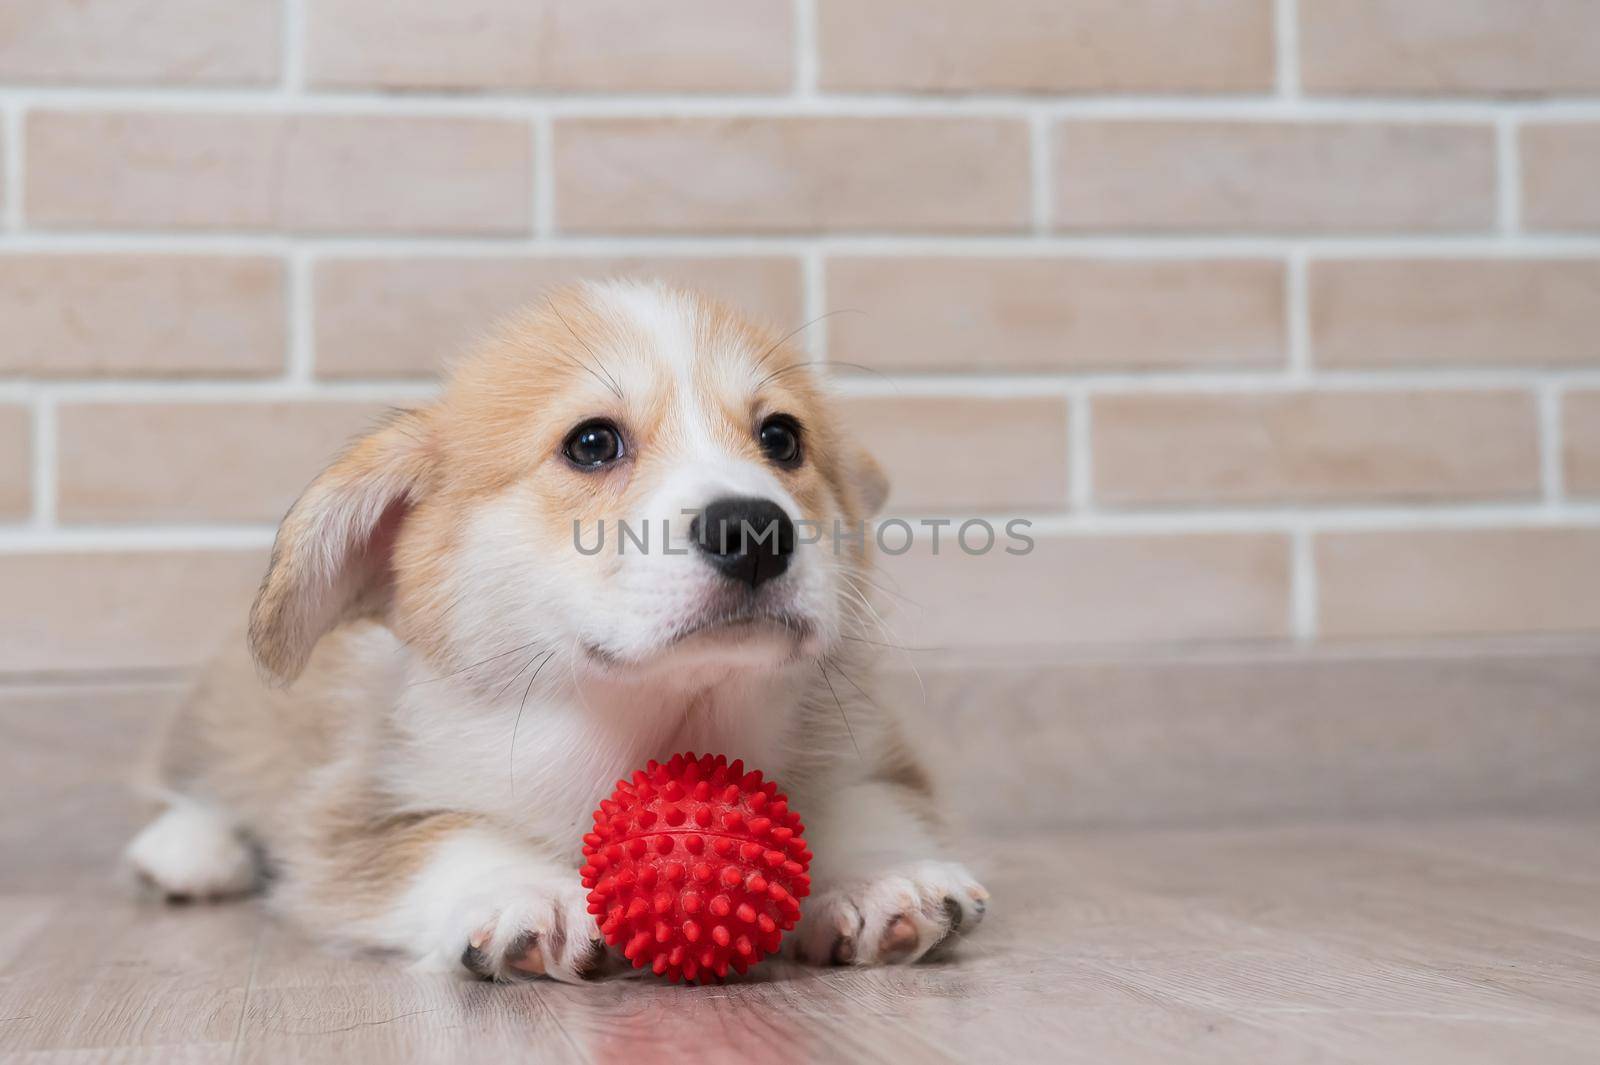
(307, 593)
(250, 746)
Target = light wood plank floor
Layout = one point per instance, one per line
(1431, 941)
(1466, 941)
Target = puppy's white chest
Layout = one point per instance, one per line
(543, 767)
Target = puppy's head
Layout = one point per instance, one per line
(629, 475)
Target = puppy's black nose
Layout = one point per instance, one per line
(749, 540)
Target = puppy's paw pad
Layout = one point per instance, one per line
(899, 939)
(896, 917)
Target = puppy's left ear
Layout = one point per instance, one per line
(870, 482)
(331, 560)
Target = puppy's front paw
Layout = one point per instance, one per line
(534, 932)
(893, 917)
(192, 852)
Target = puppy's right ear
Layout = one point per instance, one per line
(331, 560)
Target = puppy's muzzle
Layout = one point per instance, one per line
(747, 540)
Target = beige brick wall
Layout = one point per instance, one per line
(1280, 319)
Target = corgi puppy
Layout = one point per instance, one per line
(465, 651)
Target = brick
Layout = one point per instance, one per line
(948, 454)
(1560, 171)
(1447, 46)
(1455, 312)
(182, 462)
(85, 610)
(574, 45)
(1314, 447)
(141, 315)
(1044, 314)
(16, 462)
(1580, 439)
(309, 173)
(1433, 582)
(406, 317)
(1101, 589)
(1273, 176)
(1045, 45)
(154, 41)
(791, 174)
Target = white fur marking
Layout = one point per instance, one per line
(191, 849)
(478, 884)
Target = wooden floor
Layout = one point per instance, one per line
(1466, 940)
(1456, 941)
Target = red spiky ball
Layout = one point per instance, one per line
(695, 867)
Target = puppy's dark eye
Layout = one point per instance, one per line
(780, 439)
(593, 444)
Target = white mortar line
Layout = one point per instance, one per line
(1517, 246)
(1297, 310)
(292, 46)
(1487, 516)
(815, 305)
(300, 366)
(136, 538)
(1313, 520)
(1286, 44)
(1265, 106)
(11, 213)
(1303, 585)
(1209, 382)
(1508, 168)
(1174, 246)
(1552, 475)
(1214, 382)
(1080, 451)
(544, 178)
(130, 391)
(1280, 520)
(1019, 245)
(804, 29)
(44, 465)
(1041, 170)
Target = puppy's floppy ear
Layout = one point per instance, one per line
(331, 560)
(871, 483)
